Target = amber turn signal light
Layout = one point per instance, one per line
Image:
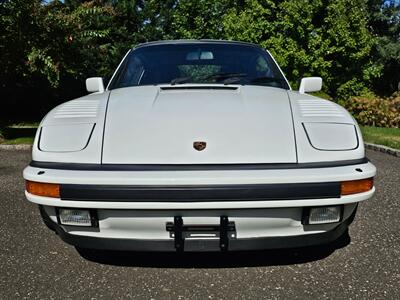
(43, 189)
(356, 186)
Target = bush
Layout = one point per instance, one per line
(379, 112)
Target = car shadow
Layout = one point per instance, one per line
(214, 259)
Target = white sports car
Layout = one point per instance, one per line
(198, 145)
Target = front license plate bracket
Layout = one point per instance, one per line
(224, 232)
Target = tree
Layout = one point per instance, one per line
(325, 38)
(48, 48)
(384, 23)
(199, 19)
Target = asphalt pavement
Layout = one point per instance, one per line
(36, 264)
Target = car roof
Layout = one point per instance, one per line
(201, 41)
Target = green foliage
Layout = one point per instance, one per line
(48, 48)
(385, 25)
(375, 111)
(199, 19)
(325, 38)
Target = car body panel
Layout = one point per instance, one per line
(310, 109)
(242, 125)
(88, 111)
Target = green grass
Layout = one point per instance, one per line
(18, 134)
(18, 141)
(389, 137)
(24, 125)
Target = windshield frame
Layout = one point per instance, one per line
(121, 67)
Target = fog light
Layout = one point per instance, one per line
(323, 215)
(75, 217)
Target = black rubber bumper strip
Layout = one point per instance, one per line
(208, 193)
(193, 167)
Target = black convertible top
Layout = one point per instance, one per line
(201, 41)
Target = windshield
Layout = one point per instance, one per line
(207, 63)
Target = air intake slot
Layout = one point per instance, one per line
(78, 109)
(202, 87)
(319, 108)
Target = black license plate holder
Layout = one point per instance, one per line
(201, 234)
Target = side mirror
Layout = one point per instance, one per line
(94, 84)
(310, 84)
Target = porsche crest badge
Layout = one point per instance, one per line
(199, 145)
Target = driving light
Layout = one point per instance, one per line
(75, 217)
(43, 189)
(323, 215)
(356, 186)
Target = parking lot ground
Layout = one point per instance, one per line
(36, 264)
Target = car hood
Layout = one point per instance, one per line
(237, 124)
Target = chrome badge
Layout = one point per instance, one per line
(199, 145)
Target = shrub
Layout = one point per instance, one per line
(379, 112)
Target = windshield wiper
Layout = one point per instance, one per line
(224, 75)
(180, 80)
(232, 80)
(267, 80)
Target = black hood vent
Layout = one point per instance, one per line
(199, 87)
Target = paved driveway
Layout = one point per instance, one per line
(34, 263)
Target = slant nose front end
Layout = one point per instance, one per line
(86, 212)
(198, 145)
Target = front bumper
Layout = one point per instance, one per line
(228, 179)
(250, 232)
(134, 207)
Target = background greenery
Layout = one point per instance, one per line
(48, 48)
(389, 137)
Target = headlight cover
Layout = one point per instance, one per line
(332, 136)
(65, 138)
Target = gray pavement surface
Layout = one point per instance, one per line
(36, 264)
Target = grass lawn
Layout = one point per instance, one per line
(18, 134)
(19, 141)
(382, 136)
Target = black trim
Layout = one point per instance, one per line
(198, 87)
(193, 167)
(224, 231)
(202, 193)
(293, 126)
(200, 41)
(40, 138)
(104, 127)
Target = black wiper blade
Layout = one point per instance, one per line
(266, 79)
(180, 80)
(224, 75)
(232, 80)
